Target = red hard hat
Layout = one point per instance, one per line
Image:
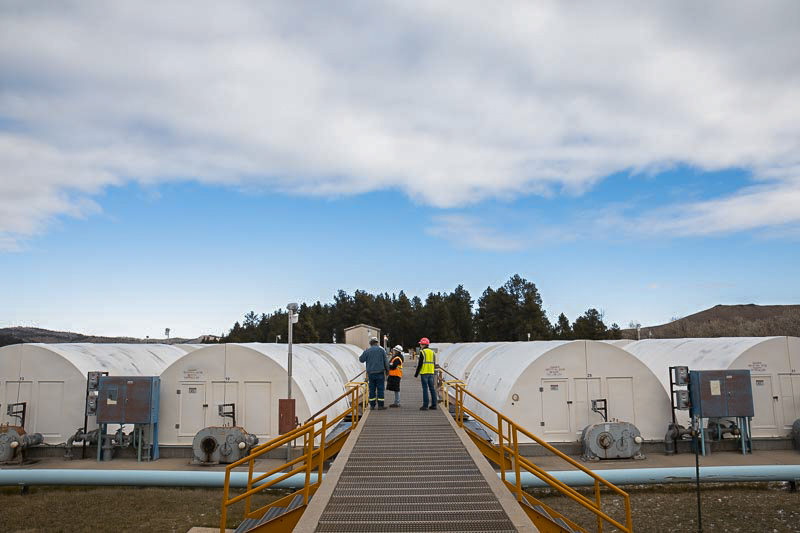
(424, 340)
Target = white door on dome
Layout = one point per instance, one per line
(555, 410)
(192, 409)
(763, 423)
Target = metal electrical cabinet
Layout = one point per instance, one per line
(128, 400)
(721, 393)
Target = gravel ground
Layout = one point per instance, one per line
(746, 508)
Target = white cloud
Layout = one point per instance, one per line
(469, 232)
(451, 104)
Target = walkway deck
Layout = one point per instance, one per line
(408, 470)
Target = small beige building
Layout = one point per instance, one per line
(360, 334)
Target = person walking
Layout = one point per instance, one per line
(395, 374)
(377, 366)
(425, 370)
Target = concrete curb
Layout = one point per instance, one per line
(308, 522)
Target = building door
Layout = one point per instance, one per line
(764, 406)
(50, 410)
(790, 398)
(193, 407)
(555, 410)
(586, 390)
(620, 400)
(224, 392)
(257, 408)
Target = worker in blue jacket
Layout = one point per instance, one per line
(377, 366)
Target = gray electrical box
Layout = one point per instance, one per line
(720, 393)
(682, 399)
(682, 375)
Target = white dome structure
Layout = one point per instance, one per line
(774, 364)
(51, 378)
(460, 359)
(252, 376)
(547, 386)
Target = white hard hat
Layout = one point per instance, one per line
(373, 340)
(398, 348)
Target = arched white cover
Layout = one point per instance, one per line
(52, 379)
(774, 364)
(253, 376)
(547, 387)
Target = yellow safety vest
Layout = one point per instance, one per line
(429, 361)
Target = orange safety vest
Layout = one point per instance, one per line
(399, 370)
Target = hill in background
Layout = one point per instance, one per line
(16, 335)
(720, 321)
(728, 321)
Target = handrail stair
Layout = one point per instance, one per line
(283, 514)
(505, 454)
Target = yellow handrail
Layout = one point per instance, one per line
(508, 433)
(312, 458)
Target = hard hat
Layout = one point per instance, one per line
(424, 340)
(398, 348)
(373, 340)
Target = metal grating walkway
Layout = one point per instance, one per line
(408, 471)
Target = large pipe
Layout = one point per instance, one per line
(651, 476)
(144, 478)
(174, 478)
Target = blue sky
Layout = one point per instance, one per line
(171, 170)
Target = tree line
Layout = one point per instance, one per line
(512, 312)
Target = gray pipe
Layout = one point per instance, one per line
(146, 478)
(650, 476)
(173, 478)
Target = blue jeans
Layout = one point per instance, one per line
(428, 384)
(376, 389)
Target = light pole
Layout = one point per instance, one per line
(293, 317)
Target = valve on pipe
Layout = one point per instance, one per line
(674, 433)
(89, 437)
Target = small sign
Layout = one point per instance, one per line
(758, 366)
(553, 387)
(759, 383)
(192, 390)
(194, 374)
(554, 370)
(715, 388)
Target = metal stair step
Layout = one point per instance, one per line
(560, 521)
(246, 525)
(542, 511)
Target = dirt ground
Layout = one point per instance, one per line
(745, 508)
(118, 509)
(756, 508)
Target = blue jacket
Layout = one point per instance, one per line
(376, 360)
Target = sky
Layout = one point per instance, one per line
(180, 164)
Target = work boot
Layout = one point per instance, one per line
(432, 408)
(423, 408)
(381, 408)
(395, 405)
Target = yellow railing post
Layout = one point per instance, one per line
(250, 467)
(599, 505)
(500, 450)
(516, 465)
